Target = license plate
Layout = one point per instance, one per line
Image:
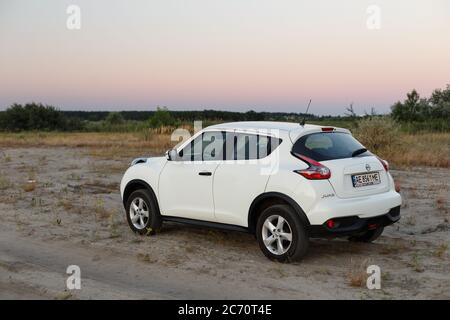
(366, 179)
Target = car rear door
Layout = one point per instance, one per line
(242, 176)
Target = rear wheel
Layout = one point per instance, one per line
(142, 213)
(367, 236)
(281, 234)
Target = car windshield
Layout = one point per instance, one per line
(324, 146)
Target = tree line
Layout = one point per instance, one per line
(36, 116)
(417, 112)
(415, 108)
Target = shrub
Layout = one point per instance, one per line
(114, 119)
(162, 118)
(33, 116)
(378, 133)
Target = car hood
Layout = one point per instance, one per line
(147, 160)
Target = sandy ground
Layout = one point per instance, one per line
(74, 215)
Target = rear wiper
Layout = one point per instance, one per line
(358, 151)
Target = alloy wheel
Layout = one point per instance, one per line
(277, 234)
(139, 213)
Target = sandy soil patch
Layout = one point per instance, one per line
(61, 206)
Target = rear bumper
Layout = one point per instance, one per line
(362, 207)
(352, 225)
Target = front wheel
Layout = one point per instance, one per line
(281, 234)
(142, 214)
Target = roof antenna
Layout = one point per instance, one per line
(302, 123)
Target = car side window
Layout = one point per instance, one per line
(213, 145)
(192, 151)
(247, 146)
(208, 146)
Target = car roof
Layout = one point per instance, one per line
(291, 129)
(260, 125)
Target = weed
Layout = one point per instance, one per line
(66, 295)
(410, 220)
(100, 210)
(440, 250)
(357, 276)
(4, 182)
(146, 258)
(416, 263)
(66, 204)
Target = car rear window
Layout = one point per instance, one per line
(324, 146)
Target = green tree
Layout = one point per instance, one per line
(440, 103)
(114, 119)
(253, 116)
(33, 116)
(161, 118)
(413, 108)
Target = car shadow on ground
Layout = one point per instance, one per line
(318, 248)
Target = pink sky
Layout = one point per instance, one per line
(229, 55)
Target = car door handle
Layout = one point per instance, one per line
(205, 173)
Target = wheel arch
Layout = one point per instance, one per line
(268, 199)
(137, 184)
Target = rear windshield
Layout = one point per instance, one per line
(324, 146)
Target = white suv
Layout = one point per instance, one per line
(284, 182)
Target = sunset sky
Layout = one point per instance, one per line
(231, 55)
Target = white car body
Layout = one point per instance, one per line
(227, 196)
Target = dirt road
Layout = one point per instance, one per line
(61, 207)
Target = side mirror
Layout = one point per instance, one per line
(171, 155)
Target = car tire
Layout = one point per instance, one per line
(142, 212)
(272, 232)
(367, 236)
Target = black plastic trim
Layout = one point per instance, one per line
(145, 185)
(208, 224)
(283, 197)
(354, 225)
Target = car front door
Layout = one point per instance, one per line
(186, 183)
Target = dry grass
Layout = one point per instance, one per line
(416, 263)
(440, 250)
(99, 187)
(427, 149)
(66, 204)
(4, 182)
(115, 141)
(440, 203)
(393, 248)
(424, 149)
(146, 258)
(101, 212)
(357, 275)
(382, 136)
(410, 220)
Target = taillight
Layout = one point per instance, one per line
(384, 163)
(315, 171)
(327, 129)
(331, 224)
